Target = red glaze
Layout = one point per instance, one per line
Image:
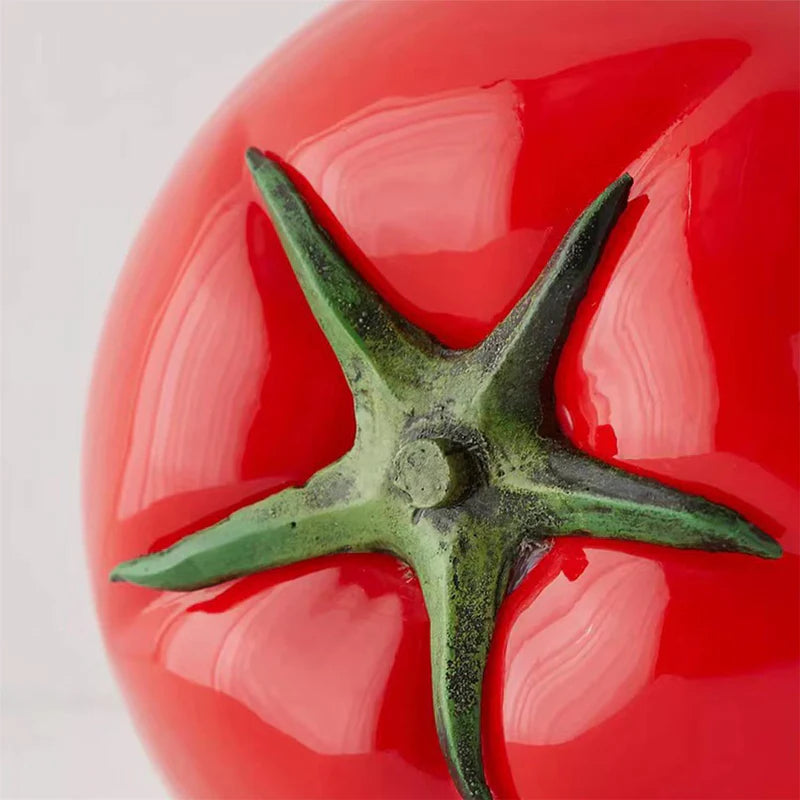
(455, 143)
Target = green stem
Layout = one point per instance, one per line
(333, 513)
(454, 467)
(590, 497)
(464, 574)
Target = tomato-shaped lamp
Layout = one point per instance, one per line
(444, 437)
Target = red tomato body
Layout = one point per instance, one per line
(453, 144)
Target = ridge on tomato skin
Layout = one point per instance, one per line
(194, 416)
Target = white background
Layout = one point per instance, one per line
(98, 101)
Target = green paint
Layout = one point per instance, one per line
(452, 469)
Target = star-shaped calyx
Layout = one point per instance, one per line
(452, 469)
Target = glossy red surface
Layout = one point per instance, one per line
(449, 146)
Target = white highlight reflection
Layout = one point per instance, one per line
(582, 650)
(311, 657)
(385, 157)
(653, 374)
(211, 314)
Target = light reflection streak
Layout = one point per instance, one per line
(582, 650)
(176, 405)
(650, 376)
(292, 670)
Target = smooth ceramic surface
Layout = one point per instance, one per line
(448, 147)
